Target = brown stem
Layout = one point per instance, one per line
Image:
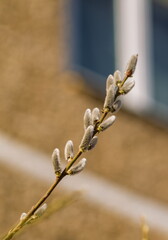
(22, 222)
(124, 80)
(103, 116)
(69, 165)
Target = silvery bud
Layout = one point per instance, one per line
(130, 69)
(87, 118)
(39, 212)
(116, 106)
(109, 82)
(68, 151)
(86, 138)
(95, 115)
(107, 123)
(23, 215)
(110, 96)
(117, 77)
(93, 143)
(128, 85)
(56, 161)
(78, 168)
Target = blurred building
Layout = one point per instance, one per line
(104, 35)
(42, 105)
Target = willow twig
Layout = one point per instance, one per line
(93, 124)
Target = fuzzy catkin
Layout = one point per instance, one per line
(87, 118)
(23, 215)
(109, 81)
(110, 96)
(128, 85)
(116, 106)
(95, 115)
(56, 161)
(130, 69)
(68, 151)
(86, 138)
(40, 211)
(78, 168)
(117, 77)
(107, 123)
(93, 143)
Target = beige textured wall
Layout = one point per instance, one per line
(43, 105)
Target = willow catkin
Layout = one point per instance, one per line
(56, 160)
(117, 77)
(68, 151)
(130, 68)
(93, 143)
(87, 118)
(109, 81)
(107, 123)
(86, 138)
(110, 96)
(23, 215)
(128, 85)
(78, 168)
(40, 211)
(95, 115)
(116, 106)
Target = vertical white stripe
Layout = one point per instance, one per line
(132, 35)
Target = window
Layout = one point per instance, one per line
(160, 51)
(105, 34)
(93, 41)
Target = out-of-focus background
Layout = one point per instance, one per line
(54, 60)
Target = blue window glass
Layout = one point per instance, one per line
(92, 39)
(160, 50)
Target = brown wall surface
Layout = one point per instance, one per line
(43, 105)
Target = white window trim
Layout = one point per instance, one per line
(132, 20)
